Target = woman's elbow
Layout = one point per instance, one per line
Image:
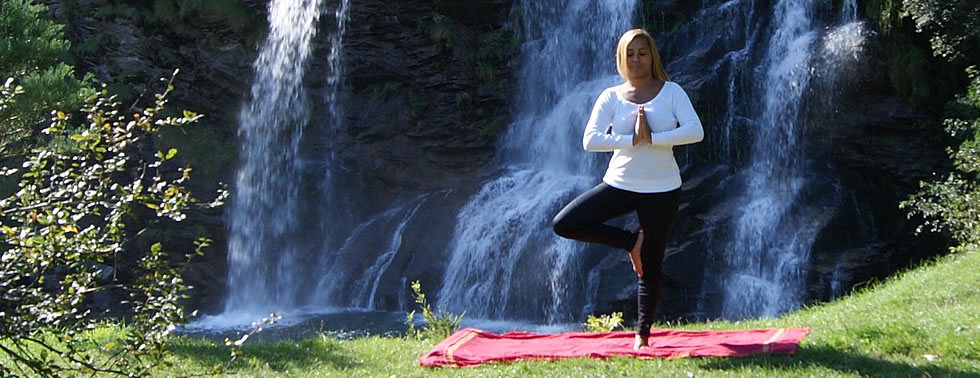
(698, 135)
(588, 142)
(694, 132)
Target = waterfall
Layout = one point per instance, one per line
(267, 236)
(505, 264)
(731, 29)
(352, 275)
(505, 261)
(769, 244)
(758, 257)
(849, 11)
(752, 70)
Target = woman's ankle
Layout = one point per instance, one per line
(640, 342)
(636, 258)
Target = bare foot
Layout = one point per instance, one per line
(635, 255)
(640, 342)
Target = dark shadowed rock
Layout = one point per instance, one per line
(428, 87)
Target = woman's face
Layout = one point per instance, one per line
(639, 58)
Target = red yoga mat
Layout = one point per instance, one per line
(471, 346)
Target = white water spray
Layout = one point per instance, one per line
(265, 230)
(849, 11)
(506, 263)
(772, 235)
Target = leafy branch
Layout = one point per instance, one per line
(71, 221)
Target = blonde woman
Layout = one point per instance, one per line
(639, 121)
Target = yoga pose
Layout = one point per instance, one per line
(640, 121)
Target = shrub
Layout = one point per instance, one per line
(604, 323)
(439, 324)
(953, 204)
(63, 237)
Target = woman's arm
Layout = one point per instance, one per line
(595, 138)
(689, 129)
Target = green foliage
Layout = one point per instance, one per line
(31, 48)
(494, 126)
(485, 72)
(385, 89)
(493, 55)
(182, 16)
(207, 20)
(179, 14)
(885, 13)
(416, 109)
(63, 237)
(7, 93)
(909, 36)
(909, 67)
(953, 204)
(909, 71)
(604, 323)
(442, 31)
(439, 325)
(499, 45)
(464, 101)
(209, 152)
(953, 26)
(27, 40)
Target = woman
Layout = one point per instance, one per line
(645, 117)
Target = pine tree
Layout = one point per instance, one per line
(32, 49)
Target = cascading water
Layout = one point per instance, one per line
(769, 244)
(352, 275)
(841, 49)
(266, 236)
(760, 234)
(849, 10)
(505, 261)
(502, 237)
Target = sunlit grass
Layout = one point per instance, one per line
(925, 322)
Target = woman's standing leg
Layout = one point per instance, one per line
(656, 215)
(582, 219)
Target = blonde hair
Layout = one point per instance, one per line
(656, 69)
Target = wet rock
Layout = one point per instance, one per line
(418, 112)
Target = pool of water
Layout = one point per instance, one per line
(337, 323)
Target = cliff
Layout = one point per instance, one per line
(426, 91)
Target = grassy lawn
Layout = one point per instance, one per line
(922, 323)
(925, 322)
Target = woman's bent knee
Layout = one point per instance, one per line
(561, 226)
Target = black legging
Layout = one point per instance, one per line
(582, 219)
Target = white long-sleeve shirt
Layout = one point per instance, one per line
(644, 168)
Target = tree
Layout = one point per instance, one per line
(952, 204)
(31, 50)
(953, 26)
(66, 230)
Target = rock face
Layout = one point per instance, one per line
(426, 85)
(125, 47)
(131, 48)
(426, 90)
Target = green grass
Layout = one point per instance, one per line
(924, 322)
